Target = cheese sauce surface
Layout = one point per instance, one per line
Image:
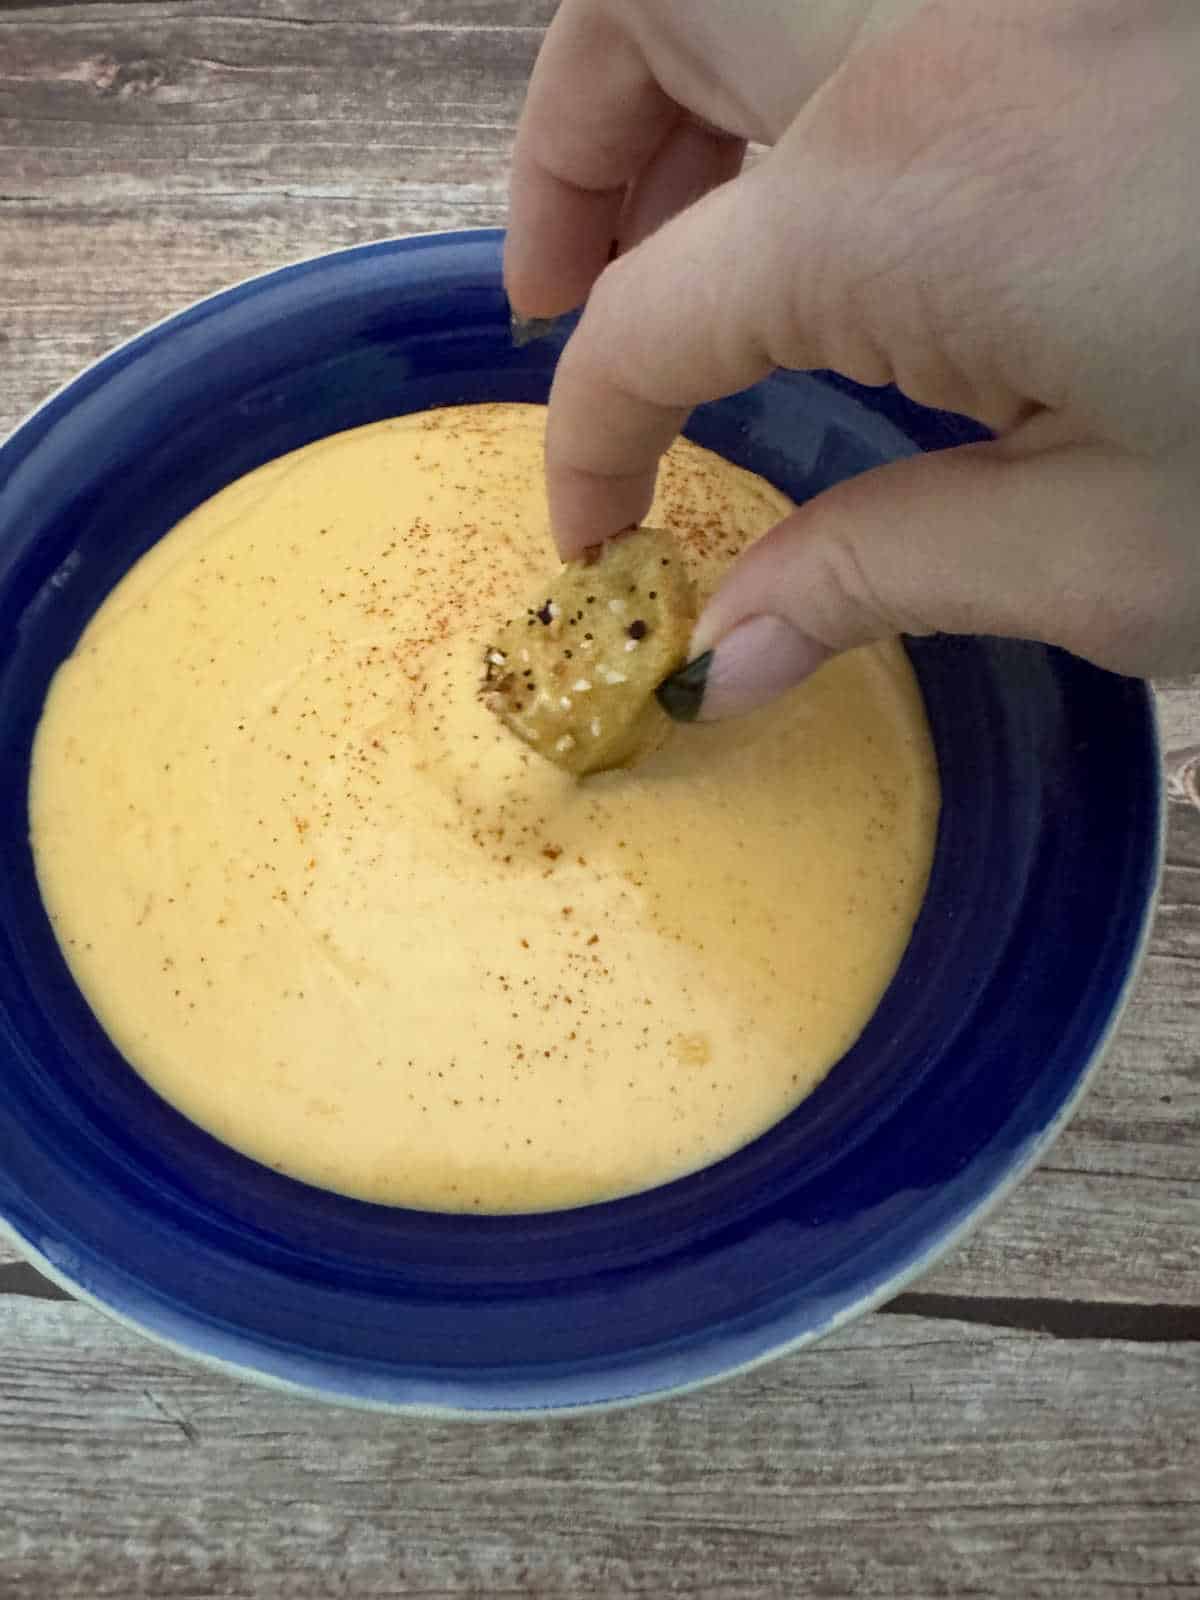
(335, 913)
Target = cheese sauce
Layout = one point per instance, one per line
(335, 913)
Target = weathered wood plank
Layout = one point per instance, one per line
(205, 146)
(901, 1459)
(184, 68)
(492, 14)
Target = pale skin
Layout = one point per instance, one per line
(994, 204)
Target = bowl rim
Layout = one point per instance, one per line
(1021, 1162)
(938, 1248)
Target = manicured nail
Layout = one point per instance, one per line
(750, 665)
(680, 694)
(525, 330)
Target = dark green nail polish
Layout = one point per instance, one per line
(525, 330)
(681, 694)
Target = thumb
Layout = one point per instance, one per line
(1076, 545)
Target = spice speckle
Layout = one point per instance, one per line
(454, 968)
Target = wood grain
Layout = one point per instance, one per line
(150, 152)
(901, 1459)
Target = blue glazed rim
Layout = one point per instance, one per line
(1033, 928)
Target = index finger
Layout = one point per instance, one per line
(684, 317)
(594, 116)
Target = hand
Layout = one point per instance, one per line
(992, 203)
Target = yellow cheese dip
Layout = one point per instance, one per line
(335, 913)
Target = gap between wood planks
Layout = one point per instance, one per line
(1061, 1319)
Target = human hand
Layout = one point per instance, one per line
(991, 203)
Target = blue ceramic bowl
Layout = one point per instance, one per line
(1046, 865)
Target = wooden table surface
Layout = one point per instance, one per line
(1025, 1423)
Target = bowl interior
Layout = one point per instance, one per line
(1045, 867)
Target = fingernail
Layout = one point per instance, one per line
(752, 664)
(525, 330)
(680, 694)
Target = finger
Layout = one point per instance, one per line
(683, 318)
(594, 116)
(691, 160)
(1075, 545)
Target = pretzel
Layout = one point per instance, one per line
(574, 675)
